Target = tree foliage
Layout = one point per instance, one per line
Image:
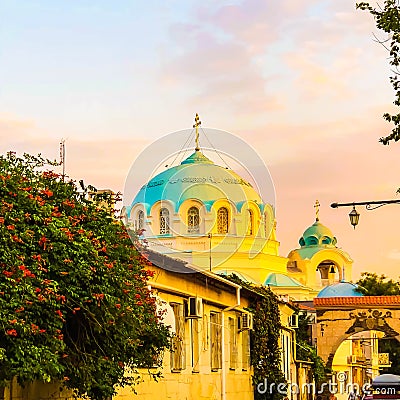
(371, 284)
(387, 19)
(74, 303)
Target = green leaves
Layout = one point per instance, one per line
(387, 19)
(74, 304)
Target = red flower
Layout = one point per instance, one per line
(13, 321)
(1, 220)
(59, 313)
(42, 242)
(11, 332)
(118, 305)
(20, 309)
(38, 290)
(10, 227)
(47, 192)
(8, 274)
(42, 330)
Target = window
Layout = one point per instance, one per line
(222, 220)
(164, 221)
(233, 343)
(140, 220)
(250, 224)
(216, 341)
(193, 220)
(245, 350)
(178, 358)
(195, 344)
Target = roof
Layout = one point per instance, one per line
(341, 289)
(281, 280)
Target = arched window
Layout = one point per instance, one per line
(222, 220)
(164, 221)
(140, 220)
(193, 220)
(250, 225)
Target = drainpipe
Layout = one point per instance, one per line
(223, 369)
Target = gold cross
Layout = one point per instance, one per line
(196, 125)
(317, 210)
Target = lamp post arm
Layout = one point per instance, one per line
(370, 205)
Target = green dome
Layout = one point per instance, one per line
(281, 280)
(200, 179)
(318, 235)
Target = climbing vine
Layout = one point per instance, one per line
(306, 351)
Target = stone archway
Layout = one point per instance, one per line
(340, 317)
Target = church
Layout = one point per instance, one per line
(208, 215)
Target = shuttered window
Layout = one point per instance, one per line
(233, 350)
(216, 341)
(178, 359)
(245, 350)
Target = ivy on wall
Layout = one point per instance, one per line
(306, 351)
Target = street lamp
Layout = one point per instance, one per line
(354, 217)
(369, 205)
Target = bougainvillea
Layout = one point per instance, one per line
(74, 303)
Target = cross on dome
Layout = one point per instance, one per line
(316, 206)
(196, 125)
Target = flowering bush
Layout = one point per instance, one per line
(74, 303)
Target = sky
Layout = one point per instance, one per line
(302, 82)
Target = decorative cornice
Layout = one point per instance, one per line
(356, 301)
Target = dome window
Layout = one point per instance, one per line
(326, 240)
(312, 241)
(222, 220)
(193, 220)
(164, 221)
(140, 220)
(250, 226)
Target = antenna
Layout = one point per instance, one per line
(196, 125)
(62, 157)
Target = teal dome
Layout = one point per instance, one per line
(198, 178)
(281, 280)
(341, 289)
(317, 235)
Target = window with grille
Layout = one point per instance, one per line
(216, 341)
(164, 221)
(140, 220)
(193, 220)
(178, 356)
(222, 220)
(250, 224)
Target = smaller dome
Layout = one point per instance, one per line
(341, 289)
(317, 235)
(281, 280)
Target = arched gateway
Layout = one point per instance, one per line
(340, 317)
